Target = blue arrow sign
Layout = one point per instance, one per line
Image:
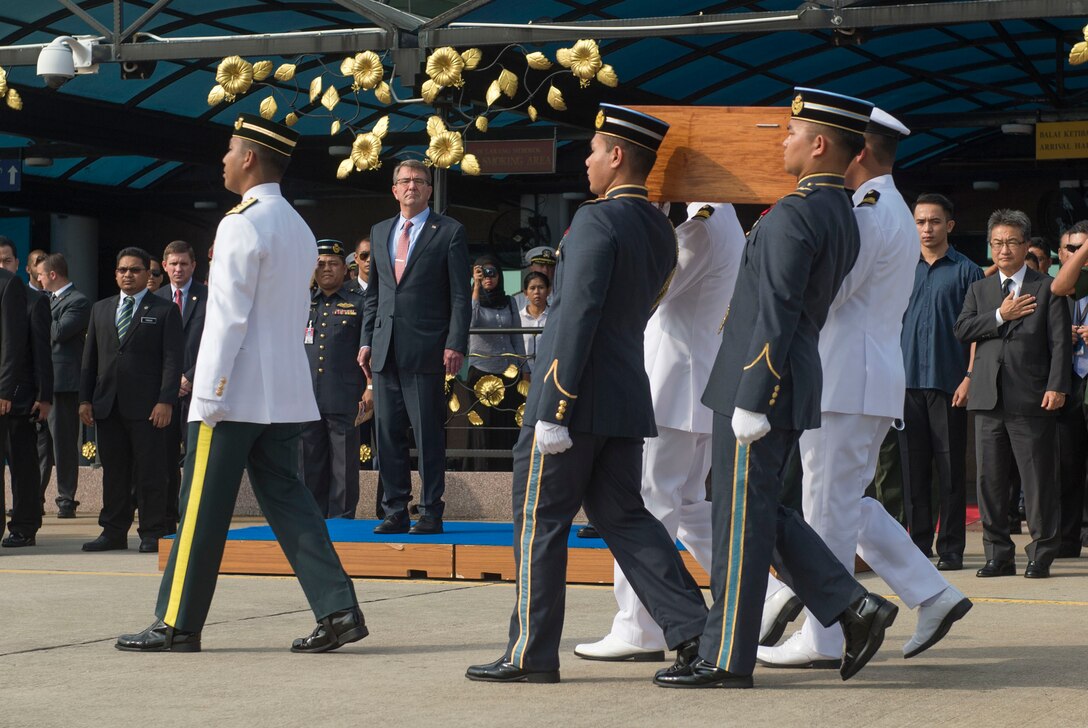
(11, 175)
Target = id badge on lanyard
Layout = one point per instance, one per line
(309, 332)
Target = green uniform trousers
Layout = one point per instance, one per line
(209, 488)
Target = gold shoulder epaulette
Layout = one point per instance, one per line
(870, 198)
(704, 212)
(801, 192)
(242, 205)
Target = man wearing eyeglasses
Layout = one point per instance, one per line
(415, 331)
(1019, 381)
(128, 388)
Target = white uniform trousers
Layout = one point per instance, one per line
(839, 461)
(674, 469)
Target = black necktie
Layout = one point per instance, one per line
(1006, 287)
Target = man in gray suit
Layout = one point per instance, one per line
(1021, 375)
(415, 331)
(71, 313)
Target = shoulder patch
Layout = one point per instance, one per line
(870, 199)
(704, 212)
(242, 205)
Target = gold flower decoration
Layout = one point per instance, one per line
(365, 152)
(446, 149)
(555, 99)
(470, 165)
(383, 93)
(444, 67)
(367, 70)
(235, 75)
(472, 57)
(475, 419)
(481, 122)
(89, 450)
(216, 95)
(364, 454)
(508, 83)
(585, 60)
(285, 72)
(14, 100)
(538, 61)
(262, 70)
(268, 108)
(519, 415)
(489, 390)
(523, 388)
(454, 404)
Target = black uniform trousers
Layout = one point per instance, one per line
(1000, 439)
(44, 442)
(750, 531)
(330, 464)
(26, 502)
(209, 488)
(1072, 468)
(403, 399)
(133, 455)
(64, 424)
(936, 435)
(604, 476)
(175, 449)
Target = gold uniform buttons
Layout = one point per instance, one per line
(320, 371)
(321, 346)
(321, 358)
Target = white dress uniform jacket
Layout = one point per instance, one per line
(269, 236)
(682, 336)
(859, 345)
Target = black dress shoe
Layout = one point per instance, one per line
(397, 523)
(701, 674)
(149, 545)
(17, 540)
(66, 512)
(335, 630)
(687, 654)
(160, 637)
(1035, 570)
(588, 532)
(949, 563)
(863, 626)
(102, 543)
(427, 526)
(502, 670)
(997, 568)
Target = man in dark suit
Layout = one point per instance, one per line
(415, 330)
(765, 388)
(71, 313)
(1020, 378)
(128, 388)
(44, 437)
(191, 299)
(589, 407)
(29, 408)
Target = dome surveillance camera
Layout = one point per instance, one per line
(63, 58)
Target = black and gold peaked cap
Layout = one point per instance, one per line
(630, 125)
(831, 109)
(259, 130)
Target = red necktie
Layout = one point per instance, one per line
(177, 300)
(402, 250)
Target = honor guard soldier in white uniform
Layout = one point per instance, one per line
(251, 390)
(681, 341)
(764, 390)
(589, 407)
(862, 396)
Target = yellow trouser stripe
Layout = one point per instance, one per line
(188, 523)
(735, 571)
(525, 573)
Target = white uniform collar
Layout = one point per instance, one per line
(881, 182)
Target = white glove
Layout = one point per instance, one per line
(749, 426)
(551, 439)
(210, 412)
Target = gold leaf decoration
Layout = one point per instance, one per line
(315, 89)
(383, 93)
(216, 95)
(607, 76)
(235, 75)
(1084, 30)
(563, 56)
(364, 454)
(291, 119)
(493, 93)
(481, 122)
(1079, 53)
(346, 167)
(523, 388)
(508, 83)
(262, 70)
(365, 152)
(447, 383)
(489, 390)
(454, 404)
(3, 82)
(347, 66)
(519, 415)
(511, 371)
(446, 149)
(334, 128)
(555, 99)
(89, 450)
(381, 128)
(532, 112)
(538, 61)
(585, 60)
(430, 90)
(472, 57)
(268, 108)
(444, 67)
(470, 165)
(14, 100)
(330, 98)
(475, 419)
(285, 72)
(435, 125)
(367, 70)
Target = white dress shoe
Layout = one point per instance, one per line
(613, 649)
(778, 611)
(935, 620)
(795, 652)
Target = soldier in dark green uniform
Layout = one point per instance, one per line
(589, 407)
(765, 389)
(330, 446)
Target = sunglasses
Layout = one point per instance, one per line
(362, 256)
(156, 273)
(1072, 248)
(121, 270)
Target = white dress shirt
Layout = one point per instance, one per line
(1017, 282)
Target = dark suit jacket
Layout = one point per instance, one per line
(35, 382)
(71, 312)
(192, 322)
(590, 370)
(13, 333)
(139, 372)
(1021, 359)
(429, 310)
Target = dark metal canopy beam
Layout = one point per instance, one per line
(386, 16)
